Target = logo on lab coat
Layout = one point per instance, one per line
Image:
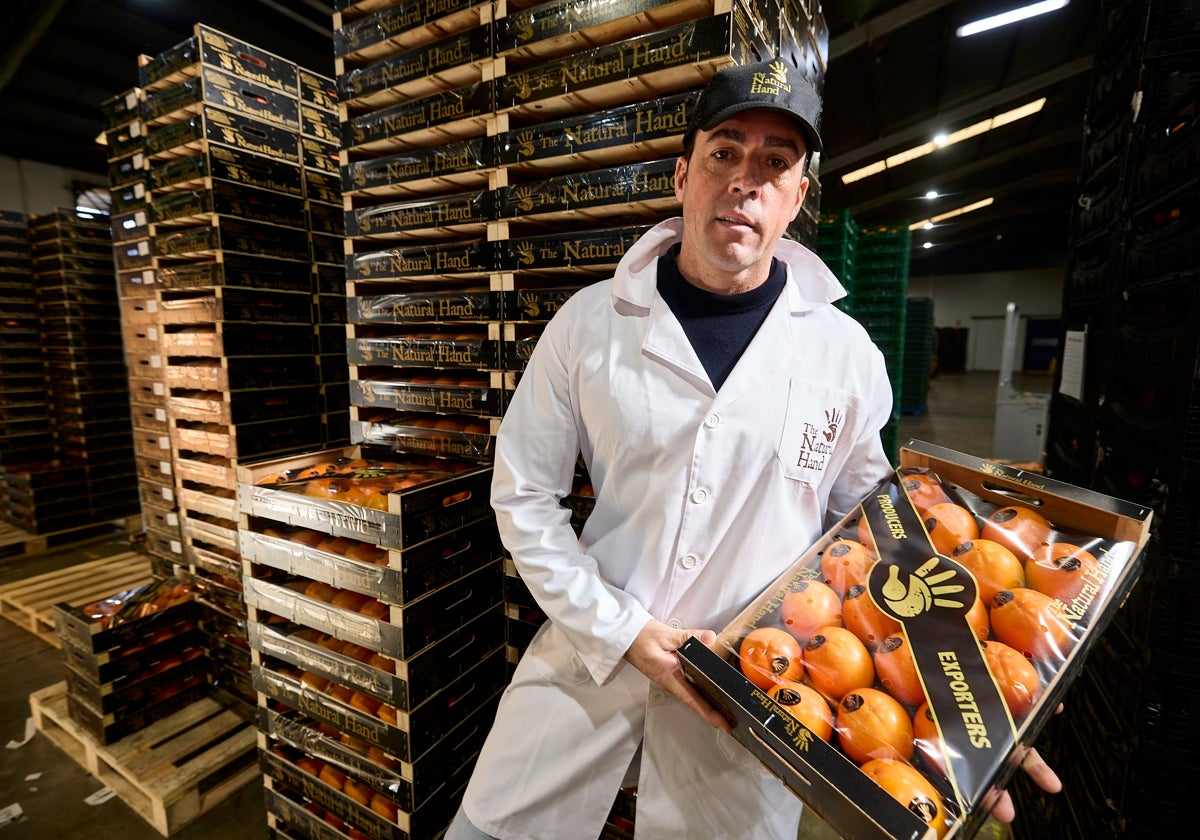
(818, 441)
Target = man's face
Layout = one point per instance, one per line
(741, 187)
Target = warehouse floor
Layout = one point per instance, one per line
(51, 789)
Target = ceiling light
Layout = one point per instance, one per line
(950, 214)
(970, 131)
(1012, 16)
(932, 194)
(927, 245)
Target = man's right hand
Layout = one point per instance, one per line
(653, 653)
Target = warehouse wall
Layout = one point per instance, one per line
(30, 187)
(978, 302)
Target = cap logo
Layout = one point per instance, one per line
(771, 83)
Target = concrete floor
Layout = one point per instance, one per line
(959, 415)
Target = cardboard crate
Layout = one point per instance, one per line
(406, 683)
(400, 306)
(409, 784)
(431, 120)
(282, 774)
(232, 373)
(213, 127)
(220, 304)
(599, 249)
(225, 234)
(391, 575)
(460, 214)
(238, 407)
(250, 271)
(421, 347)
(364, 36)
(453, 260)
(449, 167)
(621, 135)
(480, 396)
(213, 86)
(129, 693)
(223, 163)
(413, 733)
(652, 65)
(208, 46)
(248, 440)
(645, 189)
(225, 198)
(410, 629)
(981, 735)
(449, 62)
(441, 436)
(233, 338)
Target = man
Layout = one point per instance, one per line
(726, 412)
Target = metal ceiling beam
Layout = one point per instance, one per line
(299, 18)
(27, 40)
(916, 189)
(876, 27)
(925, 129)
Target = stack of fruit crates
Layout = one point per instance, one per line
(1132, 432)
(129, 227)
(918, 355)
(837, 246)
(881, 305)
(374, 591)
(24, 415)
(86, 378)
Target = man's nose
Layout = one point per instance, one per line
(744, 180)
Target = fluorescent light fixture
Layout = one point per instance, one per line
(950, 214)
(927, 245)
(1012, 16)
(944, 140)
(932, 194)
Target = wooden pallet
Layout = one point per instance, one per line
(29, 603)
(171, 772)
(16, 542)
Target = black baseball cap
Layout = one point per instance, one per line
(775, 85)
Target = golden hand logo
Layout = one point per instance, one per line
(922, 592)
(525, 143)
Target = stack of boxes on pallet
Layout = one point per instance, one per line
(872, 263)
(221, 170)
(131, 659)
(918, 355)
(91, 477)
(129, 226)
(373, 585)
(1127, 423)
(24, 414)
(880, 305)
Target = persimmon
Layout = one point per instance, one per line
(872, 724)
(1027, 620)
(977, 619)
(332, 776)
(1015, 676)
(385, 807)
(862, 617)
(769, 655)
(844, 564)
(993, 566)
(927, 740)
(806, 705)
(1019, 529)
(809, 606)
(897, 671)
(907, 786)
(923, 490)
(835, 662)
(949, 526)
(1060, 569)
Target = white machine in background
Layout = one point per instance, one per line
(1021, 417)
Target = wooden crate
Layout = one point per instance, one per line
(17, 542)
(169, 773)
(29, 603)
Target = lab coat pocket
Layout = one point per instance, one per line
(555, 659)
(818, 418)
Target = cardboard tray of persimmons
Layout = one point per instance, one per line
(894, 676)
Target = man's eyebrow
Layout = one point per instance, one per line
(772, 141)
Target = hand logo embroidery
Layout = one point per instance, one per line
(921, 593)
(834, 418)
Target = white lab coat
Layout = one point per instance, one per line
(702, 499)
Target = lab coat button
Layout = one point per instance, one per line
(700, 496)
(675, 623)
(689, 561)
(658, 696)
(712, 421)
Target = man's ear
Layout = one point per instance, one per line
(680, 176)
(803, 192)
